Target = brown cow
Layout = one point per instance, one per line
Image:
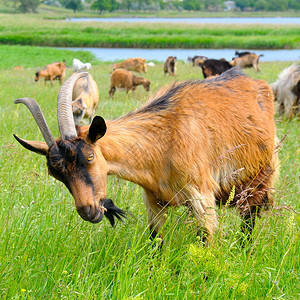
(132, 64)
(54, 71)
(123, 79)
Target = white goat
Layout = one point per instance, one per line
(287, 91)
(78, 65)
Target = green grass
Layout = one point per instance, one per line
(48, 252)
(39, 31)
(38, 57)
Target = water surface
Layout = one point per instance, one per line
(112, 54)
(194, 20)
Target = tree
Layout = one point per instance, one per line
(76, 5)
(126, 4)
(114, 5)
(242, 4)
(101, 5)
(28, 5)
(191, 5)
(261, 5)
(277, 5)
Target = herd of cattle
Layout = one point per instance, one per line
(85, 97)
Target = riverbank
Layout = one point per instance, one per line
(37, 31)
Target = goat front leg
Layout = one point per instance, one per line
(289, 106)
(112, 91)
(204, 208)
(156, 214)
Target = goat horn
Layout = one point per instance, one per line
(39, 119)
(65, 118)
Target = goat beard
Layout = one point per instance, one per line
(111, 211)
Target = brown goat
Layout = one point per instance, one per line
(287, 91)
(132, 64)
(170, 65)
(126, 80)
(19, 68)
(213, 67)
(246, 61)
(51, 72)
(85, 99)
(189, 146)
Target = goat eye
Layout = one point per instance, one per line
(90, 157)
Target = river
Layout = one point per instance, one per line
(112, 54)
(282, 21)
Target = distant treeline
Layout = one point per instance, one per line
(157, 5)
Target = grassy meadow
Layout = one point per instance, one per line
(38, 30)
(48, 252)
(36, 58)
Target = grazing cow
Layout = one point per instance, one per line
(170, 65)
(247, 61)
(194, 144)
(123, 79)
(54, 71)
(78, 65)
(287, 91)
(132, 64)
(212, 67)
(85, 99)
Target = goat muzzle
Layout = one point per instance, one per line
(91, 214)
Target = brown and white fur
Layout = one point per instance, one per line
(189, 146)
(85, 99)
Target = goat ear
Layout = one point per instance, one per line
(37, 147)
(97, 129)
